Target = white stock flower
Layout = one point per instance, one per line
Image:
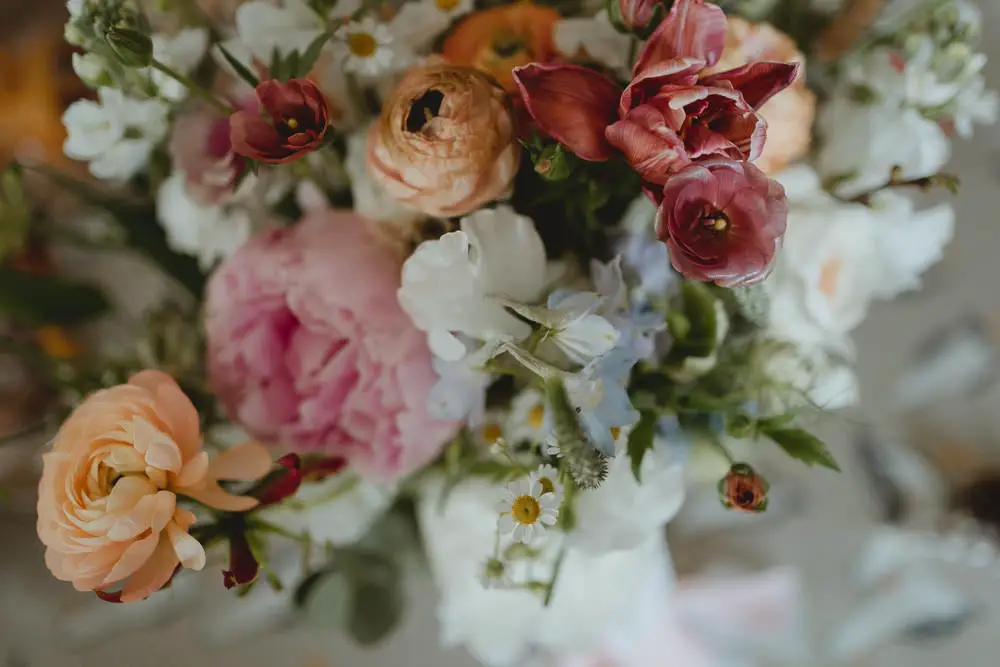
(460, 282)
(975, 105)
(593, 600)
(862, 144)
(181, 52)
(370, 200)
(210, 233)
(595, 37)
(91, 68)
(116, 134)
(622, 513)
(339, 509)
(418, 24)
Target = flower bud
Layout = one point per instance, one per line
(742, 489)
(632, 15)
(131, 47)
(552, 163)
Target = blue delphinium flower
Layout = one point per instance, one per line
(597, 394)
(637, 328)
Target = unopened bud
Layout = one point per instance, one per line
(742, 489)
(131, 47)
(552, 163)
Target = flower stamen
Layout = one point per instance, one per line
(525, 510)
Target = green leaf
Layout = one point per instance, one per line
(376, 608)
(241, 70)
(775, 422)
(699, 309)
(325, 598)
(40, 300)
(275, 66)
(640, 441)
(311, 54)
(291, 65)
(802, 445)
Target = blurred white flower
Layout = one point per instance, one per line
(576, 331)
(530, 419)
(461, 282)
(210, 233)
(418, 24)
(116, 134)
(370, 200)
(460, 392)
(90, 67)
(181, 52)
(593, 37)
(594, 598)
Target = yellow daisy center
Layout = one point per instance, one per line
(446, 5)
(537, 416)
(548, 486)
(492, 433)
(362, 44)
(525, 510)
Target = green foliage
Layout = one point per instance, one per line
(640, 440)
(15, 212)
(40, 300)
(695, 325)
(241, 70)
(295, 64)
(801, 445)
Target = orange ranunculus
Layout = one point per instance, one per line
(498, 39)
(107, 501)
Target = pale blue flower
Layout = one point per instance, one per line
(598, 396)
(637, 328)
(574, 326)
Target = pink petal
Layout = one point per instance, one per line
(692, 29)
(573, 104)
(138, 519)
(187, 549)
(173, 406)
(653, 149)
(152, 576)
(674, 72)
(758, 82)
(245, 462)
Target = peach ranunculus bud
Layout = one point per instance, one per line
(108, 509)
(446, 142)
(790, 113)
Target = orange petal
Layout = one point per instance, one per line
(152, 576)
(134, 557)
(247, 461)
(187, 549)
(214, 496)
(127, 493)
(173, 406)
(164, 504)
(194, 472)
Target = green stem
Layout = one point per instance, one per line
(201, 92)
(633, 50)
(282, 532)
(550, 589)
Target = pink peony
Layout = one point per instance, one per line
(722, 222)
(673, 111)
(308, 347)
(200, 147)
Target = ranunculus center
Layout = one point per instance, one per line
(525, 510)
(716, 221)
(745, 497)
(423, 109)
(362, 44)
(446, 5)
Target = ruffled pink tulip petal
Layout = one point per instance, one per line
(692, 29)
(722, 222)
(573, 104)
(298, 117)
(309, 349)
(107, 500)
(637, 13)
(757, 82)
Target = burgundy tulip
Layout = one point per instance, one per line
(295, 120)
(722, 222)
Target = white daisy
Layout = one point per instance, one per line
(366, 45)
(527, 509)
(548, 477)
(530, 418)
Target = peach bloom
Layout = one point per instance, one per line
(107, 501)
(445, 143)
(498, 39)
(789, 115)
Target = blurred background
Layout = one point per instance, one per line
(896, 556)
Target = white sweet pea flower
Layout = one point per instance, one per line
(864, 143)
(418, 24)
(461, 282)
(210, 233)
(575, 330)
(116, 134)
(594, 37)
(593, 599)
(181, 52)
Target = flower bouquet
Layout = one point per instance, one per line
(492, 270)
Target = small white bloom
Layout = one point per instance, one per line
(366, 47)
(90, 67)
(975, 105)
(417, 24)
(530, 419)
(461, 282)
(527, 509)
(116, 134)
(74, 8)
(210, 233)
(550, 447)
(181, 52)
(490, 431)
(596, 38)
(575, 328)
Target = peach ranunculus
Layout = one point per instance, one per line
(790, 113)
(446, 142)
(108, 508)
(498, 39)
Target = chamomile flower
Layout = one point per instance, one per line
(491, 430)
(529, 417)
(366, 45)
(548, 477)
(527, 510)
